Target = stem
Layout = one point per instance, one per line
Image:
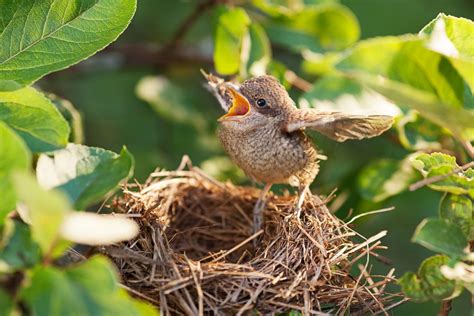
(445, 308)
(297, 81)
(187, 23)
(422, 183)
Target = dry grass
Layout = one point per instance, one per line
(195, 254)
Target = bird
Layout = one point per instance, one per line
(265, 134)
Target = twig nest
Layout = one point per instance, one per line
(196, 253)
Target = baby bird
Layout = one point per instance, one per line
(264, 134)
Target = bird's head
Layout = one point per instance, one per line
(257, 102)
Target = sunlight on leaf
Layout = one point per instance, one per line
(94, 229)
(447, 35)
(231, 28)
(45, 210)
(462, 273)
(260, 53)
(337, 93)
(39, 37)
(35, 118)
(14, 155)
(84, 173)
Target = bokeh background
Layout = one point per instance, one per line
(156, 105)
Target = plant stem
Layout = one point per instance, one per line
(186, 25)
(445, 308)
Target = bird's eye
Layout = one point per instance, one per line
(261, 102)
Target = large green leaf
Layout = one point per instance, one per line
(14, 155)
(338, 93)
(39, 37)
(34, 118)
(407, 72)
(385, 178)
(444, 166)
(428, 283)
(44, 210)
(88, 289)
(84, 173)
(451, 36)
(18, 250)
(458, 210)
(441, 236)
(231, 29)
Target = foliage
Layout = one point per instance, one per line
(37, 38)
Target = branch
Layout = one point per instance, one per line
(297, 81)
(187, 23)
(445, 308)
(422, 183)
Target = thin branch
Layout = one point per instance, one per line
(187, 24)
(422, 183)
(297, 81)
(445, 308)
(469, 148)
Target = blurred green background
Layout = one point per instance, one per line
(183, 119)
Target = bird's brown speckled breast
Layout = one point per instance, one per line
(269, 155)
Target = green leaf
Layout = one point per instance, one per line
(18, 250)
(458, 209)
(417, 133)
(407, 72)
(384, 178)
(260, 51)
(44, 210)
(39, 37)
(231, 28)
(317, 28)
(449, 35)
(84, 173)
(34, 118)
(319, 64)
(444, 166)
(338, 93)
(441, 236)
(88, 289)
(428, 283)
(14, 155)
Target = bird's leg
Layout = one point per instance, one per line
(259, 207)
(301, 195)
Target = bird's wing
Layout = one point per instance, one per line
(339, 126)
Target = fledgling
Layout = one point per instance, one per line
(263, 133)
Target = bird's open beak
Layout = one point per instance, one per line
(239, 108)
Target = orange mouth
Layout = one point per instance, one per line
(240, 106)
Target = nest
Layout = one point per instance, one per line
(196, 253)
